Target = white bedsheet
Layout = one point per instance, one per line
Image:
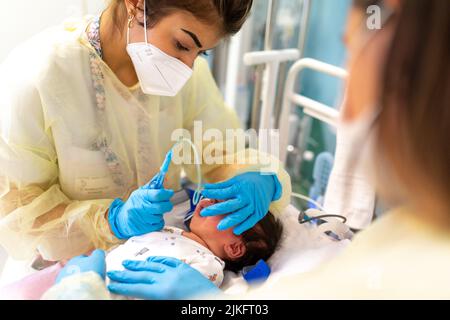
(302, 249)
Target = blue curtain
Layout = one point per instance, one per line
(324, 42)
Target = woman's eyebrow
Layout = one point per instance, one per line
(194, 37)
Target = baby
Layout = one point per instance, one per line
(204, 247)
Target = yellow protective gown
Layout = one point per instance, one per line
(55, 189)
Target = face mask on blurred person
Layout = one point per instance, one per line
(351, 190)
(359, 138)
(158, 73)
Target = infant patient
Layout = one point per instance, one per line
(204, 247)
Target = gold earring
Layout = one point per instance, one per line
(130, 21)
(131, 17)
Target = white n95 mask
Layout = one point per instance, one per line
(158, 73)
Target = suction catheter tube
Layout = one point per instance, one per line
(305, 219)
(198, 192)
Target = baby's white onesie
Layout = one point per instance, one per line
(169, 242)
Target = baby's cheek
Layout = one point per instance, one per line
(228, 233)
(211, 227)
(214, 221)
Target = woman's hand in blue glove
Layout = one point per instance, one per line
(95, 262)
(247, 200)
(160, 278)
(141, 214)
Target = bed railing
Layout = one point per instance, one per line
(311, 107)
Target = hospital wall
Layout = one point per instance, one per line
(22, 19)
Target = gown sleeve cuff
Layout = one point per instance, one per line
(112, 217)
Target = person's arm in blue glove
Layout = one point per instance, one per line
(142, 213)
(82, 278)
(160, 278)
(82, 264)
(247, 200)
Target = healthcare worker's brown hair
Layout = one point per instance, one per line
(414, 128)
(229, 15)
(414, 124)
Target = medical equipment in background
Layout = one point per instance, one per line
(266, 113)
(315, 214)
(359, 208)
(321, 175)
(270, 73)
(272, 26)
(318, 111)
(312, 108)
(271, 60)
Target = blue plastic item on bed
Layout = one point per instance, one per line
(257, 273)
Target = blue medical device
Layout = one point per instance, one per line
(257, 273)
(158, 181)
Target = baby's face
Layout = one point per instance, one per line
(222, 243)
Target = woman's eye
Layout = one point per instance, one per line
(204, 53)
(181, 47)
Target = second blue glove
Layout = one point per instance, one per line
(82, 264)
(160, 278)
(247, 200)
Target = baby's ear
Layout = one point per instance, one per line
(235, 250)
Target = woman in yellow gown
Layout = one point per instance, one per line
(81, 125)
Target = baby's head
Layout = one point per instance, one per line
(258, 243)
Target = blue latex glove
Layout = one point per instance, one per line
(141, 214)
(95, 262)
(160, 278)
(248, 198)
